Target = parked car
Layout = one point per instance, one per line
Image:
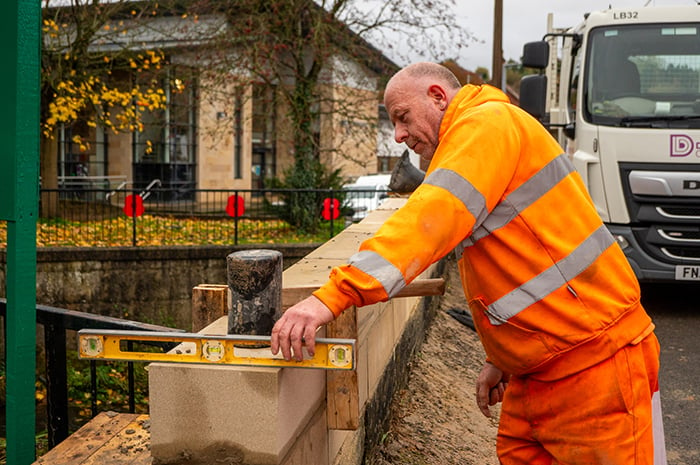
(366, 194)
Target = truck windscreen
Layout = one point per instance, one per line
(644, 76)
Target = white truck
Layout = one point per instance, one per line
(621, 91)
(366, 194)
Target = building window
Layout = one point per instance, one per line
(264, 138)
(82, 156)
(385, 164)
(166, 149)
(238, 134)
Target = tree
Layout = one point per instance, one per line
(300, 48)
(85, 83)
(515, 73)
(483, 72)
(303, 48)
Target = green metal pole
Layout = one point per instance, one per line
(20, 35)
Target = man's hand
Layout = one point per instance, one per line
(298, 326)
(490, 387)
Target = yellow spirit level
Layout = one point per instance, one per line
(241, 350)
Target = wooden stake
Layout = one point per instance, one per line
(209, 303)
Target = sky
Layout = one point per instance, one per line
(526, 21)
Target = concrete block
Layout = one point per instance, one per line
(253, 413)
(362, 350)
(381, 340)
(401, 310)
(309, 272)
(342, 246)
(346, 447)
(311, 447)
(367, 317)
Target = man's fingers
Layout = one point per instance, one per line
(485, 410)
(280, 340)
(297, 340)
(275, 339)
(297, 328)
(487, 396)
(494, 395)
(497, 393)
(482, 399)
(309, 340)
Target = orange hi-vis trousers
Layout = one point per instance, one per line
(609, 414)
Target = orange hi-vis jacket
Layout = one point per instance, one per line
(550, 291)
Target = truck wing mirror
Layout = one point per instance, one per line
(533, 93)
(570, 130)
(536, 54)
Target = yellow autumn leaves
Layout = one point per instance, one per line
(95, 96)
(167, 231)
(117, 109)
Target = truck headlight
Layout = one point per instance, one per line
(622, 241)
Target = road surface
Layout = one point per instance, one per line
(675, 309)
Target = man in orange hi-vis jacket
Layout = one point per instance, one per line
(571, 353)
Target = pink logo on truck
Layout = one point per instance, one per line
(682, 146)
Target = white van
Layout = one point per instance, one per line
(366, 194)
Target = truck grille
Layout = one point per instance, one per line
(664, 214)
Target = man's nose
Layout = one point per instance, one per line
(400, 134)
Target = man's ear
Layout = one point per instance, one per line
(439, 96)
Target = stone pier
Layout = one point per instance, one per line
(268, 416)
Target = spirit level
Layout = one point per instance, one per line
(241, 350)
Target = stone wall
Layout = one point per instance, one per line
(288, 416)
(147, 284)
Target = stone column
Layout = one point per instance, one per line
(255, 280)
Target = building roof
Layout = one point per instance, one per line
(177, 24)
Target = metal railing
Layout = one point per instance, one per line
(89, 182)
(58, 323)
(159, 216)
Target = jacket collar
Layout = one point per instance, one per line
(469, 96)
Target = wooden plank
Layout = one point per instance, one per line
(209, 303)
(342, 400)
(342, 393)
(131, 445)
(423, 287)
(87, 440)
(292, 295)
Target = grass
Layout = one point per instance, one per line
(151, 230)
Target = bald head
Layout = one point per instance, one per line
(431, 71)
(416, 98)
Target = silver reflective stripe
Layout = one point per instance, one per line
(521, 198)
(552, 278)
(657, 422)
(380, 269)
(458, 186)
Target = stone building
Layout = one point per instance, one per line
(220, 131)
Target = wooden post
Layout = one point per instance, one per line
(209, 303)
(342, 400)
(20, 34)
(343, 395)
(255, 280)
(497, 53)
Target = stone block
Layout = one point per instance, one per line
(380, 346)
(401, 310)
(253, 413)
(346, 447)
(311, 447)
(363, 393)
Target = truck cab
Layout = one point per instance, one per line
(621, 92)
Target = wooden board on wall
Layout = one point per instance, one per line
(342, 393)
